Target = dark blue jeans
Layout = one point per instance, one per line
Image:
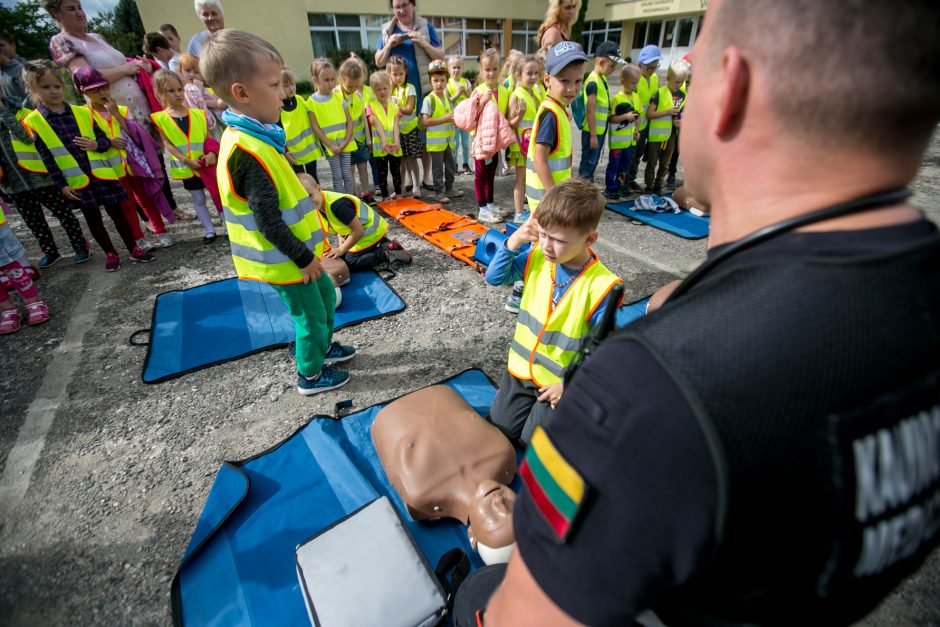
(618, 169)
(589, 158)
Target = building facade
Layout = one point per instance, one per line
(304, 29)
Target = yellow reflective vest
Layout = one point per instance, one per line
(192, 145)
(386, 119)
(559, 161)
(331, 118)
(453, 86)
(661, 128)
(254, 256)
(548, 338)
(115, 157)
(531, 108)
(75, 177)
(621, 133)
(440, 136)
(372, 223)
(355, 104)
(645, 88)
(27, 157)
(302, 144)
(406, 123)
(601, 103)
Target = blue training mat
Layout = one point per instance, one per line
(239, 568)
(633, 311)
(225, 320)
(682, 224)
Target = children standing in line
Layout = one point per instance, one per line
(114, 122)
(334, 125)
(458, 88)
(71, 148)
(351, 77)
(405, 96)
(14, 265)
(437, 118)
(622, 129)
(597, 106)
(26, 181)
(386, 135)
(508, 79)
(523, 106)
(265, 247)
(565, 296)
(665, 116)
(648, 85)
(297, 120)
(485, 170)
(184, 132)
(368, 97)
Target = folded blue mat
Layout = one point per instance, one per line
(239, 567)
(225, 320)
(682, 224)
(628, 313)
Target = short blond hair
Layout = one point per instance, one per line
(287, 76)
(379, 78)
(161, 82)
(573, 203)
(679, 70)
(234, 56)
(630, 72)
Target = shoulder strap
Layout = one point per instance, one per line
(456, 564)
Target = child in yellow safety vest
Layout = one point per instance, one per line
(665, 119)
(458, 89)
(274, 230)
(597, 108)
(361, 230)
(184, 132)
(334, 124)
(26, 181)
(386, 135)
(351, 78)
(297, 120)
(405, 96)
(75, 153)
(621, 133)
(565, 296)
(437, 118)
(523, 105)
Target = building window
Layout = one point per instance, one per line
(596, 32)
(667, 34)
(329, 32)
(523, 36)
(467, 37)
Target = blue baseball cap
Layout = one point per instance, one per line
(562, 55)
(649, 54)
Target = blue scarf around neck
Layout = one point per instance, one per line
(271, 134)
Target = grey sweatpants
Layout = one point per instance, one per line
(516, 409)
(443, 167)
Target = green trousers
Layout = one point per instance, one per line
(312, 306)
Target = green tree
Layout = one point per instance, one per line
(122, 27)
(578, 26)
(31, 28)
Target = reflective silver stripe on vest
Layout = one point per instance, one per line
(272, 256)
(304, 134)
(72, 172)
(247, 220)
(101, 163)
(537, 359)
(195, 147)
(405, 119)
(59, 151)
(303, 152)
(332, 128)
(601, 109)
(556, 164)
(436, 141)
(556, 339)
(363, 216)
(534, 193)
(526, 124)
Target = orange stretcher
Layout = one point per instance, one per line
(453, 233)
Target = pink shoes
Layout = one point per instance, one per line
(11, 321)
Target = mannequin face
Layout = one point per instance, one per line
(491, 515)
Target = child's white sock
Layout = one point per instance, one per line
(202, 212)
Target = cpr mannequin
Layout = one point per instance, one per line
(446, 461)
(338, 271)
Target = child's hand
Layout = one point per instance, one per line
(593, 142)
(674, 111)
(633, 116)
(119, 143)
(192, 163)
(210, 159)
(312, 271)
(449, 117)
(85, 144)
(290, 158)
(551, 394)
(334, 148)
(69, 193)
(387, 148)
(335, 253)
(528, 232)
(677, 122)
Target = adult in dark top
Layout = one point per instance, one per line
(748, 453)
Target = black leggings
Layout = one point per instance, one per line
(100, 233)
(30, 205)
(385, 164)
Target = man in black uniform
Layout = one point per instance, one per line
(764, 448)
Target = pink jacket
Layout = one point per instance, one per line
(493, 132)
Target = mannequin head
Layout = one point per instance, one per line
(490, 521)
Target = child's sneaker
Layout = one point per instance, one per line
(368, 198)
(514, 300)
(499, 211)
(487, 216)
(611, 194)
(339, 353)
(209, 238)
(36, 313)
(671, 182)
(398, 256)
(467, 170)
(416, 191)
(10, 321)
(141, 256)
(454, 193)
(49, 260)
(111, 262)
(145, 244)
(521, 218)
(442, 199)
(328, 379)
(165, 239)
(81, 257)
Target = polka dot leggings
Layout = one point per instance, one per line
(30, 206)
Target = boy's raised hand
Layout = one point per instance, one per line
(528, 232)
(312, 271)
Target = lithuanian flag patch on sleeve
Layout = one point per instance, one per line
(557, 489)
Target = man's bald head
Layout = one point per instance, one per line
(847, 73)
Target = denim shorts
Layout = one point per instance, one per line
(10, 247)
(361, 154)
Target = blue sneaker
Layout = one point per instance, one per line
(339, 353)
(49, 260)
(329, 379)
(81, 257)
(522, 217)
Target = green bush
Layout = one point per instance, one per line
(304, 88)
(336, 57)
(470, 75)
